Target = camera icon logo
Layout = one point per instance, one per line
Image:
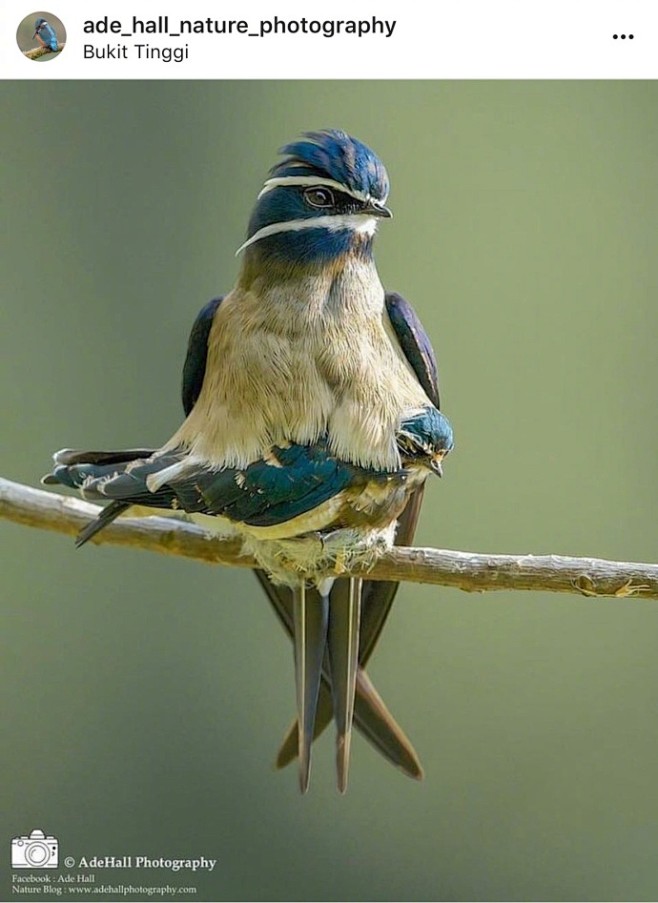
(37, 851)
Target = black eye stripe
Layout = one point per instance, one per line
(345, 200)
(340, 200)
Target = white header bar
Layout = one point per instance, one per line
(380, 39)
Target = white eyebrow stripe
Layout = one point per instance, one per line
(357, 222)
(308, 181)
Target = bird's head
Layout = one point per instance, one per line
(323, 200)
(38, 25)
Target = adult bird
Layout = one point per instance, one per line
(45, 34)
(312, 424)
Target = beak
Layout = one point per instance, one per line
(376, 208)
(437, 467)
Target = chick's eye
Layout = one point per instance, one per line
(319, 197)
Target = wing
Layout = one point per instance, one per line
(194, 368)
(378, 596)
(415, 344)
(286, 483)
(67, 457)
(50, 36)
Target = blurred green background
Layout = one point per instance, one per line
(144, 698)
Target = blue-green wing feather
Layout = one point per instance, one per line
(291, 482)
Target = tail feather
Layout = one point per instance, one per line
(343, 647)
(380, 728)
(371, 716)
(310, 621)
(373, 721)
(324, 714)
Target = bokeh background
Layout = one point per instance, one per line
(143, 697)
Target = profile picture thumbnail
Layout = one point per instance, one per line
(41, 36)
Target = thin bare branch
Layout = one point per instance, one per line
(469, 571)
(38, 52)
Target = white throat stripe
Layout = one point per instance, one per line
(308, 181)
(355, 222)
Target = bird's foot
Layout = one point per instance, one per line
(316, 557)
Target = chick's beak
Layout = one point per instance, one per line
(437, 467)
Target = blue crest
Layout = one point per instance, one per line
(333, 154)
(337, 161)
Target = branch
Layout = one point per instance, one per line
(464, 570)
(36, 52)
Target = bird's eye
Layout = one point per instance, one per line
(319, 197)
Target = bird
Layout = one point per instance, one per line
(45, 34)
(312, 422)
